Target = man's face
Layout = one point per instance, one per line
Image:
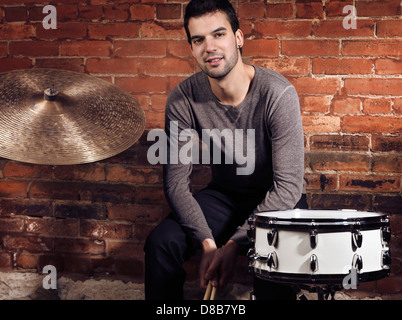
(214, 45)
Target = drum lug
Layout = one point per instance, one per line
(272, 237)
(272, 260)
(313, 239)
(386, 259)
(313, 263)
(357, 239)
(357, 262)
(385, 235)
(251, 258)
(251, 231)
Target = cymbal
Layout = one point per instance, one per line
(59, 117)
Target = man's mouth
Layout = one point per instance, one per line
(214, 61)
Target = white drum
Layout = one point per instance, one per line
(319, 246)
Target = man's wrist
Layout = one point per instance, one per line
(208, 244)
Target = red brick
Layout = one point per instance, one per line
(134, 175)
(319, 124)
(309, 10)
(379, 8)
(387, 143)
(334, 8)
(142, 12)
(113, 193)
(367, 124)
(117, 12)
(84, 172)
(52, 227)
(339, 143)
(310, 47)
(15, 14)
(54, 190)
(85, 246)
(13, 189)
(170, 30)
(251, 10)
(149, 195)
(113, 66)
(13, 224)
(105, 230)
(369, 183)
(307, 85)
(34, 48)
(86, 48)
(373, 86)
(178, 48)
(130, 268)
(3, 49)
(388, 66)
(261, 47)
(126, 30)
(398, 106)
(281, 29)
(26, 260)
(5, 261)
(138, 48)
(125, 249)
(285, 66)
(65, 13)
(8, 64)
(316, 181)
(90, 12)
(279, 10)
(389, 28)
(159, 102)
(72, 64)
(334, 28)
(24, 170)
(376, 48)
(151, 66)
(136, 213)
(31, 208)
(16, 31)
(345, 105)
(387, 163)
(338, 161)
(71, 30)
(391, 205)
(168, 11)
(341, 66)
(142, 84)
(30, 244)
(315, 103)
(379, 105)
(82, 211)
(340, 201)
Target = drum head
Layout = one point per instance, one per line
(321, 220)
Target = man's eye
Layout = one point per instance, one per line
(218, 35)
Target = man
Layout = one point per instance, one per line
(247, 108)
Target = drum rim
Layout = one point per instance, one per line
(375, 221)
(311, 279)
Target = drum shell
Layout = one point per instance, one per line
(334, 251)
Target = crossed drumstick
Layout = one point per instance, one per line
(210, 292)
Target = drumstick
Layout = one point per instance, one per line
(210, 292)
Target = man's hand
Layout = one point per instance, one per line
(220, 266)
(208, 251)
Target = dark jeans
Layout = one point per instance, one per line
(168, 247)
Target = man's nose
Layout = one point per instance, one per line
(210, 45)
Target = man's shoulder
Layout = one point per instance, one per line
(271, 77)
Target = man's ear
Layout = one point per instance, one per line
(239, 38)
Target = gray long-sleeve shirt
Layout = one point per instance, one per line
(260, 142)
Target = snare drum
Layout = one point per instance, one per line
(319, 246)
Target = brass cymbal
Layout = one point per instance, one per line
(59, 117)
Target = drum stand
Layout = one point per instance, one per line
(323, 292)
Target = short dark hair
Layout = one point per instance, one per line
(197, 8)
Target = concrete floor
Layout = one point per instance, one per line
(28, 286)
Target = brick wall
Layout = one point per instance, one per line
(92, 219)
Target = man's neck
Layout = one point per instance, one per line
(233, 89)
